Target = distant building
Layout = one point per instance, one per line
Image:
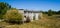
(31, 15)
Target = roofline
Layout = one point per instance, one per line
(30, 11)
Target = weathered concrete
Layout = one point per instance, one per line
(33, 15)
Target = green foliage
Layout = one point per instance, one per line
(3, 8)
(59, 12)
(50, 12)
(13, 16)
(45, 12)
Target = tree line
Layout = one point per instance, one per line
(50, 12)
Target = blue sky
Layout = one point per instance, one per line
(43, 5)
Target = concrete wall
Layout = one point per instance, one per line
(21, 11)
(36, 16)
(32, 16)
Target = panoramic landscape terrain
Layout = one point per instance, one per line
(29, 13)
(50, 22)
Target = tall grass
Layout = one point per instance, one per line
(46, 22)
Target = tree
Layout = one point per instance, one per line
(58, 12)
(3, 8)
(45, 12)
(50, 12)
(13, 16)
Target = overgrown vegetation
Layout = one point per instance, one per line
(13, 16)
(50, 19)
(45, 22)
(3, 8)
(50, 12)
(9, 14)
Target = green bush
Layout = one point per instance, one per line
(13, 16)
(50, 12)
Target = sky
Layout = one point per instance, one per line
(43, 5)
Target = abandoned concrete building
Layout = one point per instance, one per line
(31, 15)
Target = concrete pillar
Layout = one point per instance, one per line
(31, 16)
(36, 16)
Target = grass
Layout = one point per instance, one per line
(45, 22)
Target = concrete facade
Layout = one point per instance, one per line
(31, 15)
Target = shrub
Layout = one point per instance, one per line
(50, 12)
(13, 16)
